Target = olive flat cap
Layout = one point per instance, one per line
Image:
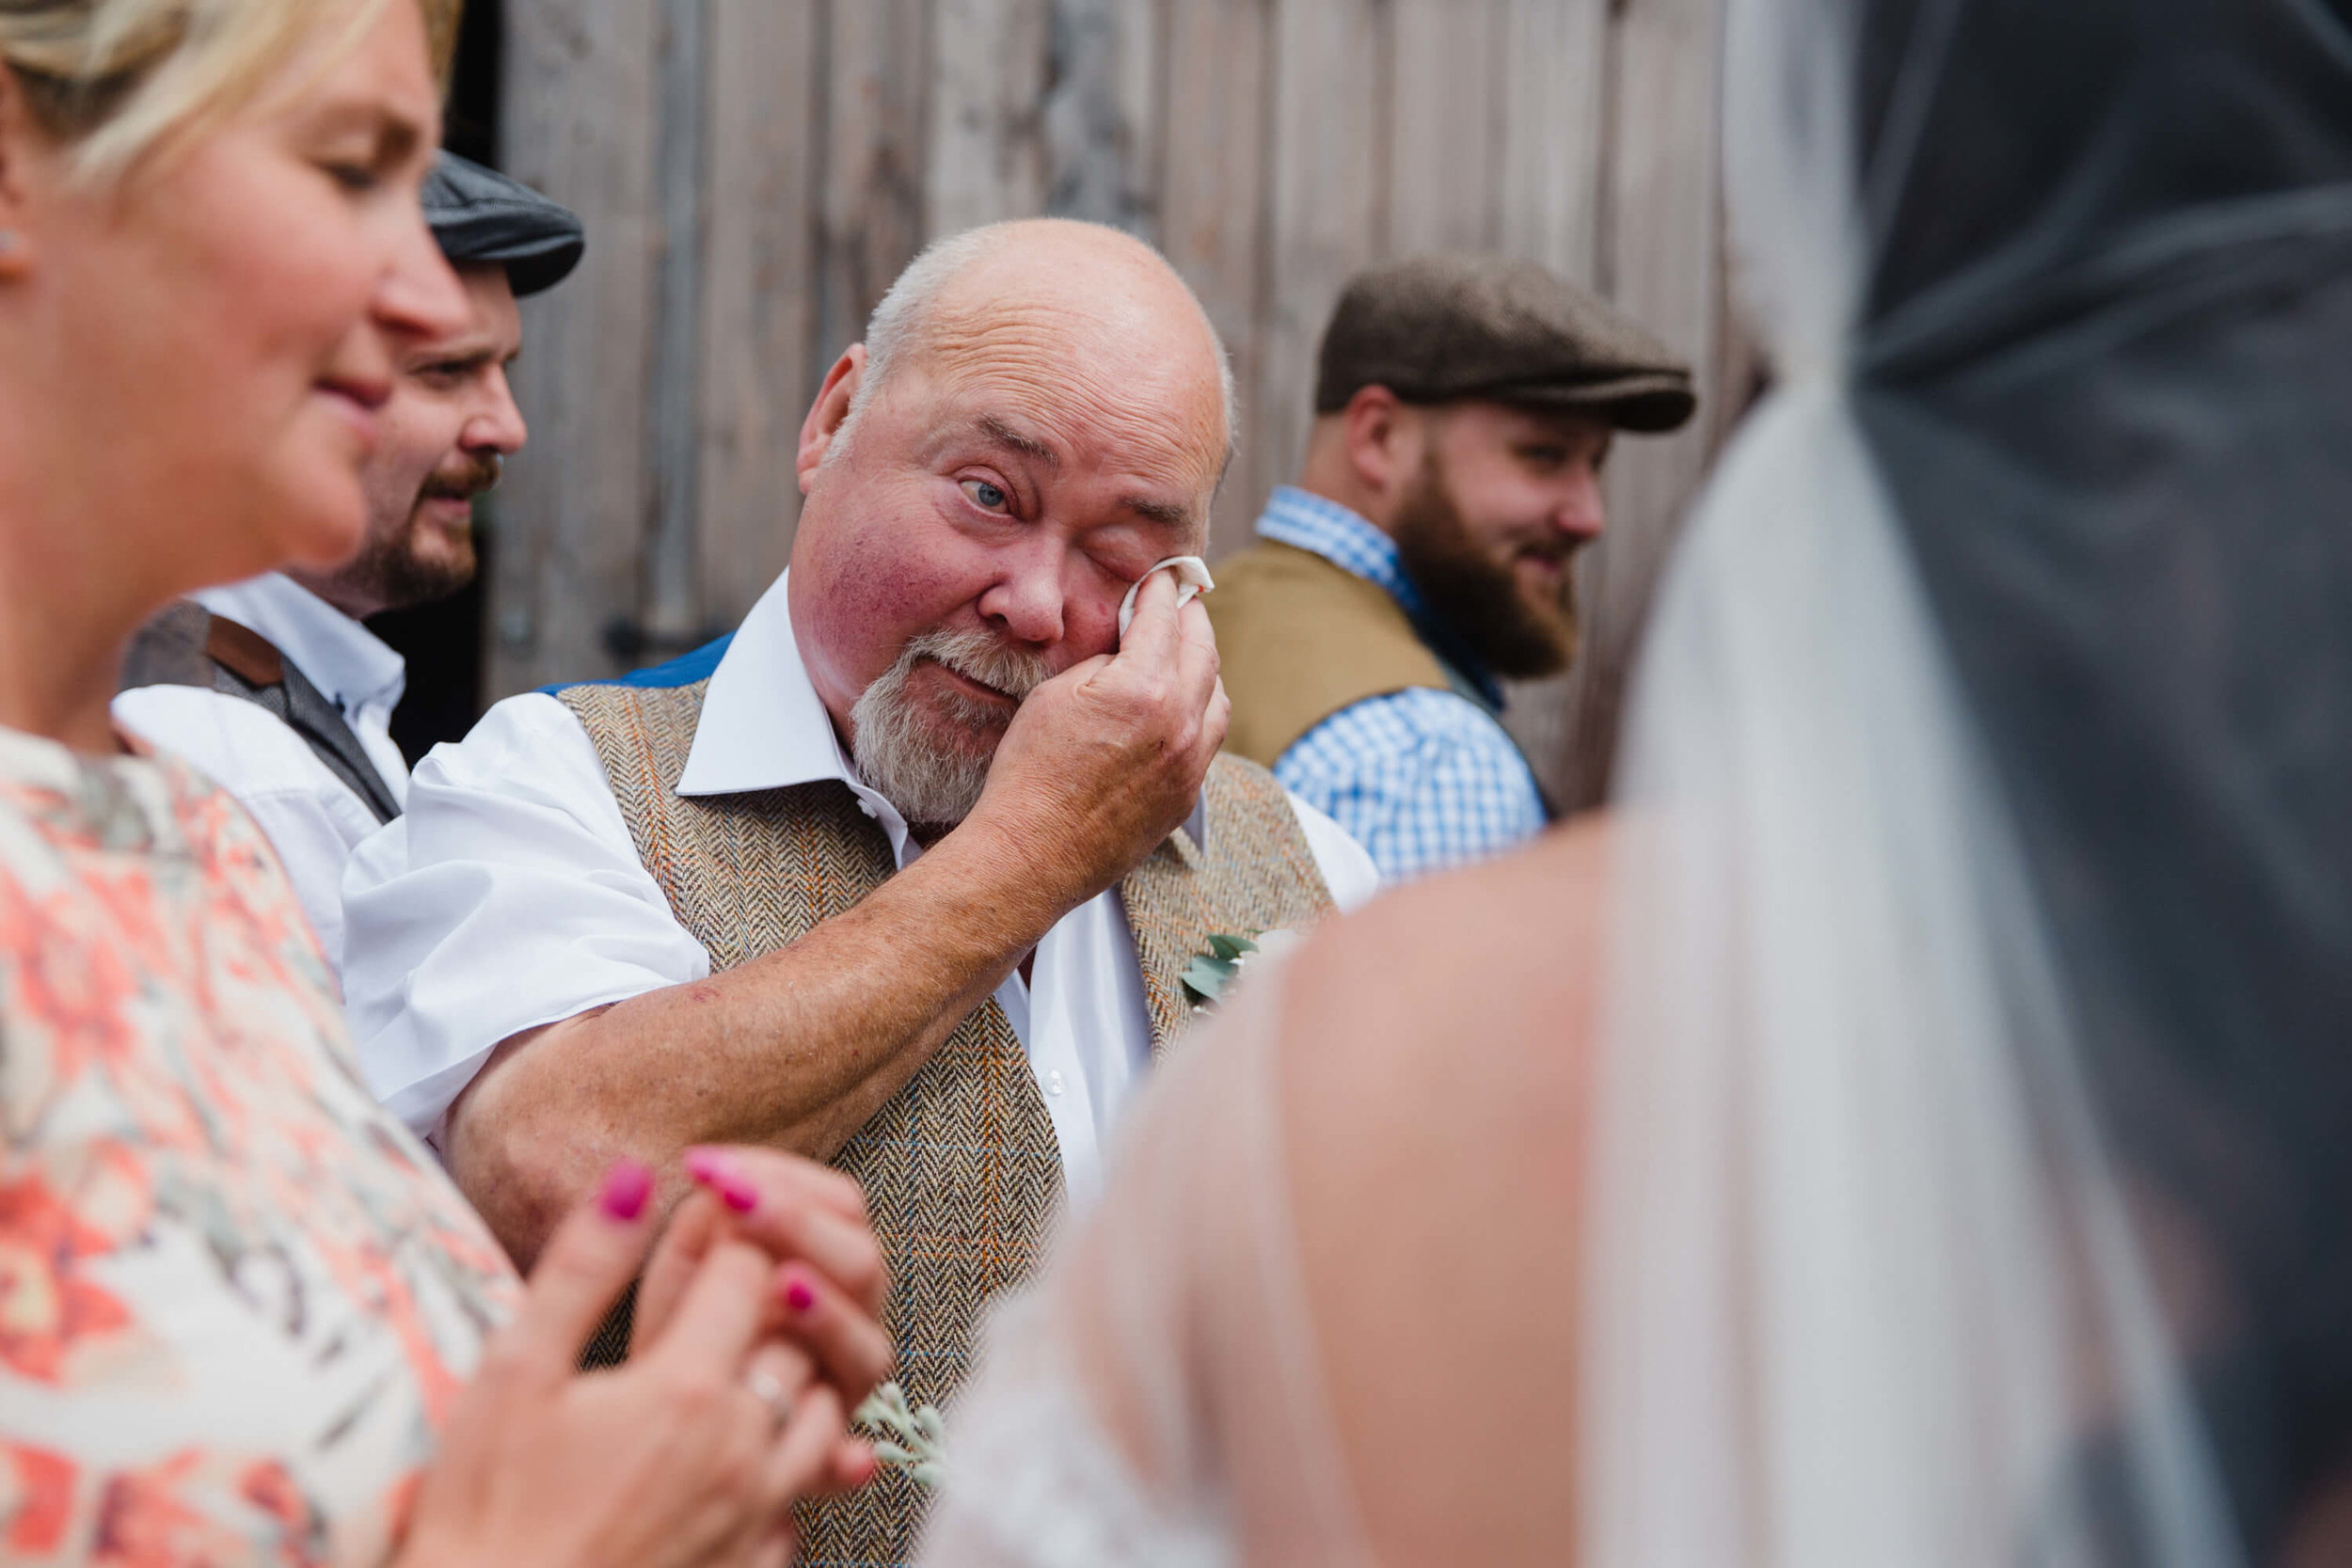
(483, 218)
(1439, 329)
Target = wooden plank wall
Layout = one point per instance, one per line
(754, 172)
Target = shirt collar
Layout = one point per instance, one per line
(349, 664)
(764, 727)
(1317, 524)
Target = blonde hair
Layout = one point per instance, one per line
(119, 77)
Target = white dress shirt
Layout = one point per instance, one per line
(510, 896)
(312, 818)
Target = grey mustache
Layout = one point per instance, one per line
(978, 656)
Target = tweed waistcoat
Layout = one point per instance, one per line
(1299, 638)
(962, 1170)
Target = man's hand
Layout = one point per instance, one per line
(1106, 760)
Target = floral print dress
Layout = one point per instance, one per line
(237, 1299)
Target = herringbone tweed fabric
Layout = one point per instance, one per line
(961, 1170)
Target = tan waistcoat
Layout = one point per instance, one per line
(961, 1171)
(1299, 638)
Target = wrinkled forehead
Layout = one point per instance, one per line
(1123, 390)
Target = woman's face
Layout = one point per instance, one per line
(218, 328)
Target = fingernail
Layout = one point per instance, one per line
(799, 1297)
(626, 1186)
(717, 1172)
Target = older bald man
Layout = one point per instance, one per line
(907, 873)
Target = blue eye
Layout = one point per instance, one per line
(987, 496)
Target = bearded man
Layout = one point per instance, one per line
(273, 686)
(1464, 407)
(906, 874)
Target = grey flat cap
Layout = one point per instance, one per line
(1439, 329)
(482, 217)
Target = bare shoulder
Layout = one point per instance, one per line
(1435, 1052)
(1453, 1012)
(1517, 939)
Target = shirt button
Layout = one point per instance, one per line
(866, 806)
(1053, 1083)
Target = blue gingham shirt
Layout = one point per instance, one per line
(1423, 778)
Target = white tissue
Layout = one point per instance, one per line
(1192, 578)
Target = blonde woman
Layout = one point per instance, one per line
(241, 1311)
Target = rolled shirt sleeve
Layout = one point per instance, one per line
(508, 896)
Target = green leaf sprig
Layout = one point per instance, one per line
(912, 1441)
(1209, 974)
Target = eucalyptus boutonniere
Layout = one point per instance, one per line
(914, 1442)
(1211, 974)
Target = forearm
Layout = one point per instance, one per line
(794, 1050)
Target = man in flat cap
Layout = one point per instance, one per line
(1464, 406)
(273, 686)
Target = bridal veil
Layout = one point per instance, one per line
(1976, 1168)
(1972, 1159)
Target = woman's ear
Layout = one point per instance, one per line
(831, 410)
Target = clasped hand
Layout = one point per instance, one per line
(755, 1336)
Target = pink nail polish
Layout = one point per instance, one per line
(799, 1297)
(626, 1186)
(717, 1172)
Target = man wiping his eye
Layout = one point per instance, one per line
(907, 873)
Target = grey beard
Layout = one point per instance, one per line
(897, 748)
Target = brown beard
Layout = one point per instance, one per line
(396, 573)
(1476, 596)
